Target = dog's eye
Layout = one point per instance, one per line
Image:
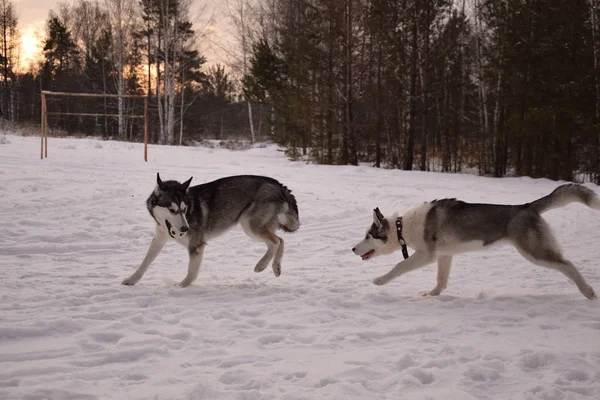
(172, 211)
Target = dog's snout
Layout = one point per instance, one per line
(185, 228)
(354, 249)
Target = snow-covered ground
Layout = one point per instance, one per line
(74, 225)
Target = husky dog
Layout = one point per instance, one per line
(439, 229)
(193, 215)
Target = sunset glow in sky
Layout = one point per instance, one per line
(31, 47)
(33, 14)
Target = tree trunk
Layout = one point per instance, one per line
(498, 140)
(181, 112)
(5, 112)
(424, 90)
(330, 83)
(167, 79)
(378, 125)
(251, 121)
(481, 91)
(159, 101)
(104, 88)
(149, 55)
(595, 45)
(408, 161)
(243, 32)
(352, 156)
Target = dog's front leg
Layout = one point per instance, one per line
(158, 242)
(444, 264)
(193, 266)
(416, 261)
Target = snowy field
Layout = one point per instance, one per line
(74, 225)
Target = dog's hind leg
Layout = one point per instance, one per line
(273, 243)
(537, 244)
(415, 261)
(552, 259)
(158, 242)
(257, 224)
(443, 263)
(278, 256)
(193, 266)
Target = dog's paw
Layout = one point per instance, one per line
(435, 292)
(132, 280)
(184, 283)
(382, 280)
(277, 270)
(260, 267)
(589, 293)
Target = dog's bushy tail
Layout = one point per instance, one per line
(566, 194)
(288, 216)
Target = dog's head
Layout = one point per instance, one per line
(168, 205)
(378, 240)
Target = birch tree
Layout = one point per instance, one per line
(170, 43)
(121, 14)
(239, 12)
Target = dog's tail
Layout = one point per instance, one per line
(288, 215)
(566, 194)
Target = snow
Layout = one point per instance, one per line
(75, 224)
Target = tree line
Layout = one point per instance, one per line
(500, 87)
(146, 47)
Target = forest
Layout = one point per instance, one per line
(495, 87)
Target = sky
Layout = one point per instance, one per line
(32, 16)
(34, 13)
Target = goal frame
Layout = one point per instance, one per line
(45, 113)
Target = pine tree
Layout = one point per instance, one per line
(9, 40)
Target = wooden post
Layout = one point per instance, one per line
(45, 126)
(42, 127)
(146, 128)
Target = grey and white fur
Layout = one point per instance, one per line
(439, 229)
(193, 215)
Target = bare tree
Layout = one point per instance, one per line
(9, 40)
(171, 47)
(240, 14)
(122, 17)
(350, 150)
(408, 161)
(88, 21)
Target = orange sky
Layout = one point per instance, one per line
(33, 14)
(31, 47)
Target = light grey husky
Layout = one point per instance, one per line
(439, 229)
(193, 215)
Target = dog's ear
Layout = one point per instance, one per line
(159, 182)
(378, 217)
(186, 184)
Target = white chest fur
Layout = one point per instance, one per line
(413, 226)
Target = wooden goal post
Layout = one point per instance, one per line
(45, 113)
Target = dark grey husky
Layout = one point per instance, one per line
(439, 229)
(193, 215)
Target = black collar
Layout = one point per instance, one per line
(401, 238)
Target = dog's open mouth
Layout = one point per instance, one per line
(169, 226)
(368, 254)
